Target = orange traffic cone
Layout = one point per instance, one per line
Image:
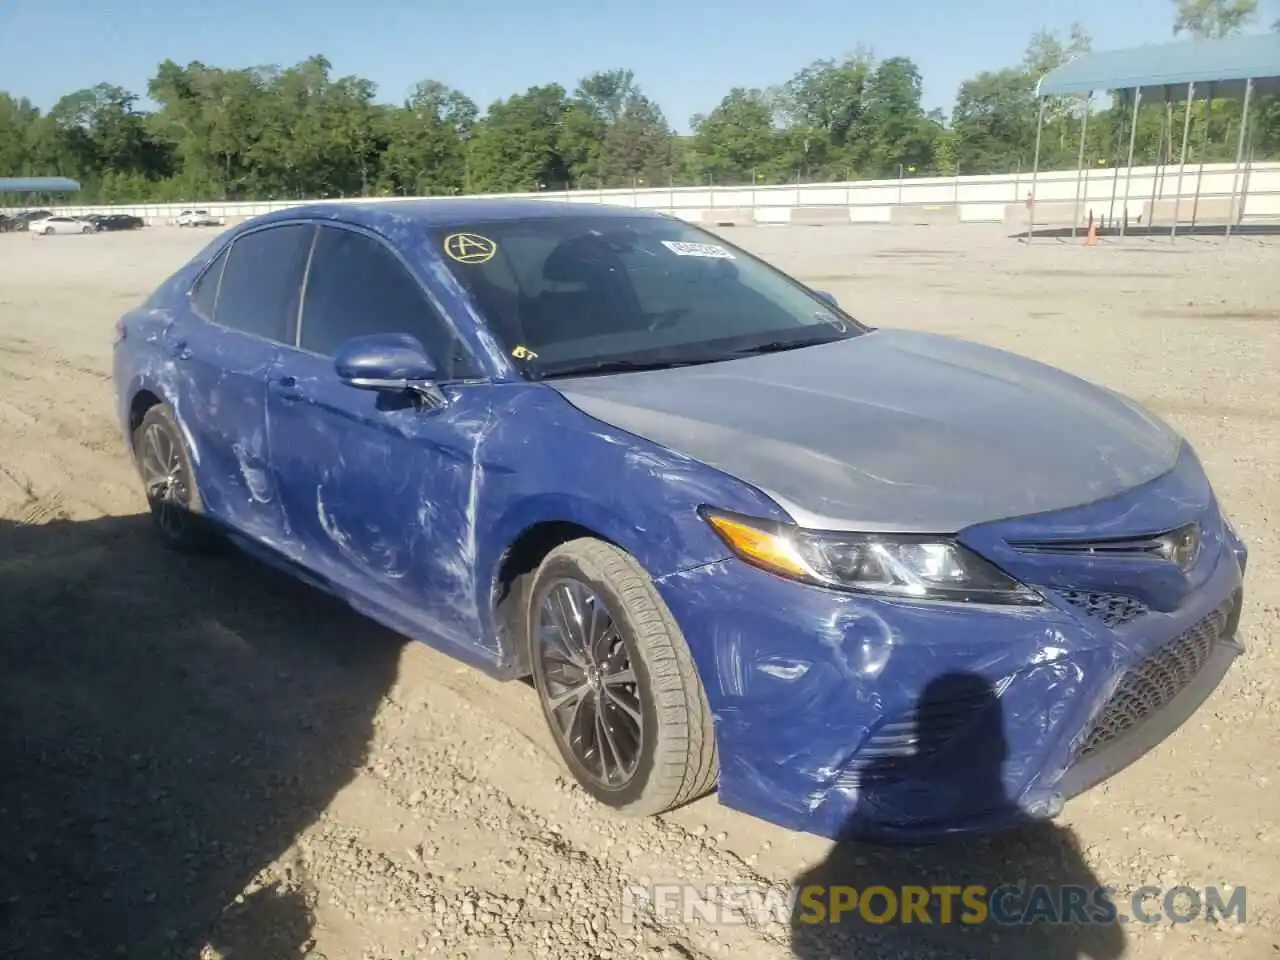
(1091, 238)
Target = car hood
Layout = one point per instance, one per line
(893, 430)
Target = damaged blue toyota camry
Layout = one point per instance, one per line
(863, 582)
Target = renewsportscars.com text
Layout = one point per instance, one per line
(968, 904)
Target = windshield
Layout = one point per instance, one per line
(569, 295)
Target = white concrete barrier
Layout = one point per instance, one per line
(1211, 211)
(925, 214)
(985, 199)
(1062, 214)
(820, 216)
(728, 217)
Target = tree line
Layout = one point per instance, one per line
(300, 131)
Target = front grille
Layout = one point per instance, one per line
(1152, 683)
(1113, 609)
(1147, 545)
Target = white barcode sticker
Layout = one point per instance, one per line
(685, 248)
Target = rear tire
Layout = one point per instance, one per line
(622, 698)
(160, 453)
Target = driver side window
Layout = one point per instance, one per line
(357, 287)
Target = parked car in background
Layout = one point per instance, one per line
(19, 221)
(52, 225)
(871, 581)
(115, 221)
(198, 218)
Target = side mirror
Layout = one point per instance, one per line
(391, 362)
(829, 297)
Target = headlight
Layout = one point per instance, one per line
(901, 566)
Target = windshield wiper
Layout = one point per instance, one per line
(622, 366)
(777, 346)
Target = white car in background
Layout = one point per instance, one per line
(198, 218)
(51, 225)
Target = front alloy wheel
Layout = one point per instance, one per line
(592, 693)
(616, 681)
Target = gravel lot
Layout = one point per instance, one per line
(202, 758)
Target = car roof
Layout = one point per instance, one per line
(445, 211)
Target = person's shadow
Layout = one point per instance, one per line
(1028, 856)
(169, 724)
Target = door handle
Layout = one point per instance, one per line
(179, 350)
(286, 388)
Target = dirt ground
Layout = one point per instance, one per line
(201, 758)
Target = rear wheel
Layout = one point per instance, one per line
(617, 683)
(165, 465)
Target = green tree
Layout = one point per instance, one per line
(895, 132)
(995, 122)
(17, 122)
(582, 133)
(820, 111)
(637, 145)
(612, 135)
(1213, 19)
(826, 97)
(606, 93)
(424, 143)
(737, 139)
(516, 145)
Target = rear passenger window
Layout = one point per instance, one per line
(262, 281)
(357, 287)
(205, 293)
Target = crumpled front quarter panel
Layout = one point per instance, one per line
(544, 461)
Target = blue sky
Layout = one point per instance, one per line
(686, 55)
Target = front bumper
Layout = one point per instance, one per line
(853, 717)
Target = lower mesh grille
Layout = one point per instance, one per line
(1159, 678)
(902, 742)
(1113, 609)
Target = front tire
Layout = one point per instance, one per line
(161, 455)
(617, 683)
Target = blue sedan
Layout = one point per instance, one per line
(865, 582)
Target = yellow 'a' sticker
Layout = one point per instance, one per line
(469, 247)
(524, 353)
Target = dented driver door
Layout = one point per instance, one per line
(376, 486)
(377, 493)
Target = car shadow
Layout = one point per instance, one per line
(1028, 856)
(169, 724)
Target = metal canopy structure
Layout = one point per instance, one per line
(38, 185)
(1228, 64)
(1232, 68)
